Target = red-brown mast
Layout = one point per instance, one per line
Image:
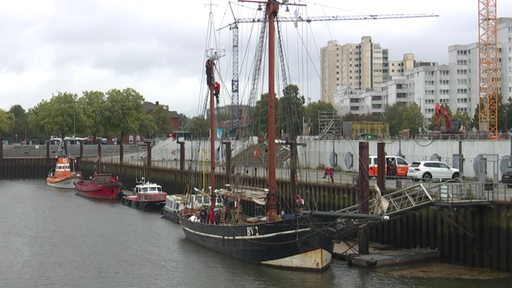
(211, 86)
(272, 9)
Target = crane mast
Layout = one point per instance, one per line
(488, 67)
(234, 82)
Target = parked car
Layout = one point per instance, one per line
(394, 166)
(428, 170)
(506, 177)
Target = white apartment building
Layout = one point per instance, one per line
(464, 84)
(406, 81)
(505, 39)
(357, 66)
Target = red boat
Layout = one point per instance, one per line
(101, 186)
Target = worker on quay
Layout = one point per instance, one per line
(392, 168)
(329, 172)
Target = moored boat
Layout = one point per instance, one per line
(146, 195)
(173, 205)
(189, 204)
(296, 239)
(100, 186)
(64, 174)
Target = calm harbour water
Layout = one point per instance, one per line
(53, 238)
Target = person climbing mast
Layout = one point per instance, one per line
(217, 91)
(210, 78)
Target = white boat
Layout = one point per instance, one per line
(173, 204)
(146, 195)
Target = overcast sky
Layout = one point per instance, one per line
(157, 47)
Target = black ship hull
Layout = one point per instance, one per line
(285, 243)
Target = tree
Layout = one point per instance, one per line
(57, 116)
(148, 127)
(6, 122)
(125, 111)
(198, 127)
(159, 121)
(259, 118)
(20, 128)
(412, 119)
(403, 116)
(95, 109)
(464, 119)
(290, 111)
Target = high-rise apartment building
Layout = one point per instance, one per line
(505, 39)
(359, 79)
(358, 66)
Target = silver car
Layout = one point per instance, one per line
(428, 170)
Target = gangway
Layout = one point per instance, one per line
(394, 203)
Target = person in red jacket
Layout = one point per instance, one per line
(329, 172)
(217, 91)
(211, 216)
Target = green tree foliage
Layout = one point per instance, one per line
(465, 120)
(198, 127)
(125, 111)
(183, 121)
(114, 113)
(505, 114)
(400, 116)
(6, 122)
(159, 123)
(290, 111)
(259, 117)
(94, 106)
(20, 130)
(57, 116)
(311, 112)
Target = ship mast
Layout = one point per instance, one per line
(272, 9)
(213, 55)
(211, 87)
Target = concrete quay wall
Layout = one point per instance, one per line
(318, 153)
(497, 152)
(315, 154)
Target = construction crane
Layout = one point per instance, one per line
(488, 67)
(234, 27)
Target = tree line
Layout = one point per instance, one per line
(111, 114)
(117, 113)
